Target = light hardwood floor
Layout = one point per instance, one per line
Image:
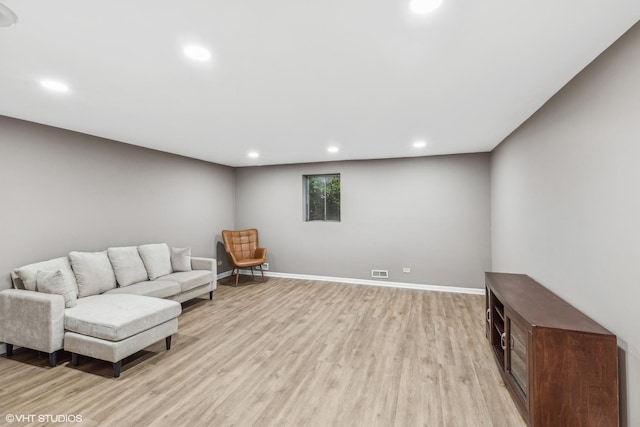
(288, 353)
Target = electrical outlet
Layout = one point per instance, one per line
(265, 266)
(406, 270)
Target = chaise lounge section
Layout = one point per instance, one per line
(112, 327)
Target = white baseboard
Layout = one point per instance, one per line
(387, 284)
(225, 274)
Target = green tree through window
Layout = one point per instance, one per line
(322, 197)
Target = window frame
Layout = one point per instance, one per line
(306, 179)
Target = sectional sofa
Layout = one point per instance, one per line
(106, 304)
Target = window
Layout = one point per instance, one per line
(322, 197)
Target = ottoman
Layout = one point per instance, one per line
(113, 326)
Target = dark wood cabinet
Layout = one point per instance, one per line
(559, 365)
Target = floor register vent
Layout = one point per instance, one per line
(380, 274)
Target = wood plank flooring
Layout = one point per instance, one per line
(286, 353)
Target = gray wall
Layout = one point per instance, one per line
(64, 191)
(566, 201)
(430, 214)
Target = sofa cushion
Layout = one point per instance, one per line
(27, 274)
(127, 265)
(181, 259)
(116, 317)
(93, 272)
(156, 258)
(53, 282)
(191, 279)
(156, 288)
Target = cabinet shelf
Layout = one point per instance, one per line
(499, 328)
(499, 312)
(572, 376)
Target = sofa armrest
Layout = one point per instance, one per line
(204, 264)
(32, 319)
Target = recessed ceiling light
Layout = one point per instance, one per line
(333, 149)
(419, 144)
(7, 16)
(55, 85)
(253, 154)
(421, 7)
(197, 53)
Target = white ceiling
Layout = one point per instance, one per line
(289, 77)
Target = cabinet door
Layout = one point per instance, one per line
(517, 362)
(498, 333)
(487, 308)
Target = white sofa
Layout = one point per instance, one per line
(80, 297)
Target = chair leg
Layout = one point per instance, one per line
(9, 350)
(237, 276)
(252, 276)
(231, 275)
(262, 272)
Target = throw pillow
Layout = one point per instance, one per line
(181, 259)
(54, 283)
(127, 265)
(27, 274)
(93, 271)
(156, 258)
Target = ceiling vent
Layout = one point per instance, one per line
(380, 274)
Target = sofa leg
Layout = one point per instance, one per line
(53, 359)
(9, 350)
(210, 295)
(75, 359)
(116, 369)
(167, 341)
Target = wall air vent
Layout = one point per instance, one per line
(380, 274)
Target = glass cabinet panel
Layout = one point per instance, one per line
(518, 356)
